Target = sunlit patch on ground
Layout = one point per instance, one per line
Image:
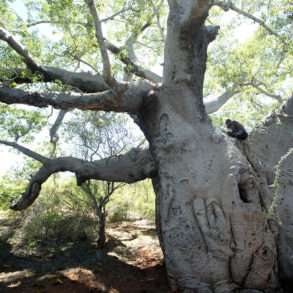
(133, 263)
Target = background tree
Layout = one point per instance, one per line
(213, 193)
(98, 136)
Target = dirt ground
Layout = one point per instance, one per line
(132, 263)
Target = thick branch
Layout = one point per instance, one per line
(84, 81)
(229, 5)
(188, 12)
(134, 166)
(273, 138)
(186, 44)
(215, 104)
(100, 38)
(128, 99)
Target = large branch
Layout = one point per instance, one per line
(188, 12)
(100, 38)
(84, 81)
(134, 166)
(186, 44)
(226, 5)
(213, 105)
(128, 99)
(272, 139)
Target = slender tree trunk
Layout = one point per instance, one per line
(102, 230)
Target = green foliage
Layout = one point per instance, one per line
(248, 58)
(61, 33)
(57, 227)
(132, 202)
(9, 190)
(17, 122)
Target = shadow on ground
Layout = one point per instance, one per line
(78, 268)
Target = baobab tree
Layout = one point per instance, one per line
(215, 206)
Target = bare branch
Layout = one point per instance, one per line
(56, 126)
(136, 165)
(132, 67)
(131, 61)
(100, 38)
(121, 11)
(215, 104)
(229, 5)
(127, 99)
(25, 151)
(265, 92)
(21, 50)
(83, 80)
(80, 60)
(35, 23)
(156, 11)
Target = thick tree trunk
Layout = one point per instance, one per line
(282, 209)
(211, 201)
(213, 195)
(211, 213)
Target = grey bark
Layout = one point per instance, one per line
(213, 197)
(283, 207)
(125, 98)
(211, 211)
(272, 139)
(133, 166)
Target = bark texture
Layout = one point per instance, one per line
(211, 210)
(272, 139)
(212, 221)
(283, 205)
(213, 194)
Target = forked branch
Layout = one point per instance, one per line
(227, 5)
(84, 81)
(132, 66)
(133, 166)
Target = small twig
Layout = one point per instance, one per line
(229, 5)
(115, 14)
(26, 151)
